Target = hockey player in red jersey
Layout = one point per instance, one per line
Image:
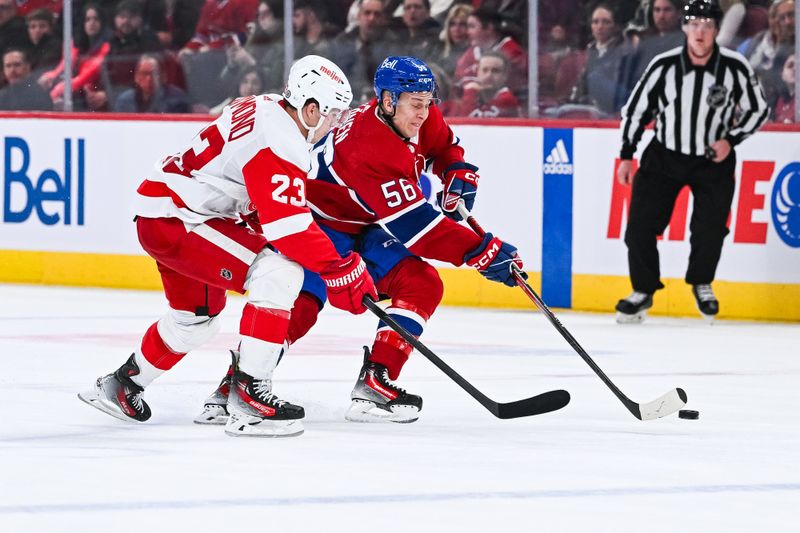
(365, 195)
(251, 163)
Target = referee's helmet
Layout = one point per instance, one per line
(702, 9)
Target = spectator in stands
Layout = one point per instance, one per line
(26, 7)
(761, 50)
(46, 51)
(417, 32)
(438, 8)
(223, 25)
(312, 34)
(783, 109)
(663, 33)
(732, 20)
(13, 31)
(564, 14)
(485, 29)
(90, 48)
(149, 94)
(221, 21)
(359, 51)
(444, 85)
(489, 96)
(263, 49)
(251, 81)
(182, 19)
(510, 10)
(600, 84)
(131, 39)
(453, 39)
(22, 92)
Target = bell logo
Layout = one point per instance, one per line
(24, 193)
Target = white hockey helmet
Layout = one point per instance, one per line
(321, 79)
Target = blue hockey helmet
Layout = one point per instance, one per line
(403, 74)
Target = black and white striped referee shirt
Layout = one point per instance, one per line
(694, 106)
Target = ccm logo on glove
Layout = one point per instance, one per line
(493, 259)
(488, 255)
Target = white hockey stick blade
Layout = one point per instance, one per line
(666, 405)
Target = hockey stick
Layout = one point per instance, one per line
(535, 405)
(663, 406)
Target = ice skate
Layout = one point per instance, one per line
(707, 303)
(215, 409)
(117, 395)
(377, 399)
(254, 411)
(633, 309)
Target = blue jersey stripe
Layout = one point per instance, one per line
(409, 226)
(409, 324)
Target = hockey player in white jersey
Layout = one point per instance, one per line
(250, 163)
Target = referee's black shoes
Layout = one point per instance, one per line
(707, 303)
(633, 309)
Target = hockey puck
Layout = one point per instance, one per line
(688, 414)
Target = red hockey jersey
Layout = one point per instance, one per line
(253, 157)
(363, 173)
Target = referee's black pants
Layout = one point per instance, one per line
(661, 176)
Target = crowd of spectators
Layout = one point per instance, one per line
(183, 56)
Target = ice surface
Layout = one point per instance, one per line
(590, 467)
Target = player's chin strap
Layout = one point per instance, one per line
(389, 119)
(311, 129)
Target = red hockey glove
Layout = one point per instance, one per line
(347, 282)
(460, 184)
(493, 259)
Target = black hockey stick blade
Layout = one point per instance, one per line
(535, 405)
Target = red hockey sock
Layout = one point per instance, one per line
(156, 352)
(268, 325)
(304, 315)
(416, 290)
(391, 351)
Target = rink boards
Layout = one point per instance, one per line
(549, 189)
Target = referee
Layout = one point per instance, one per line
(705, 100)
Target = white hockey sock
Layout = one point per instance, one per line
(147, 372)
(258, 358)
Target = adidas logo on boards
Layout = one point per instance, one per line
(558, 160)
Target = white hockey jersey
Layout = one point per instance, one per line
(252, 158)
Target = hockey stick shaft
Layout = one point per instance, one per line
(543, 403)
(632, 406)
